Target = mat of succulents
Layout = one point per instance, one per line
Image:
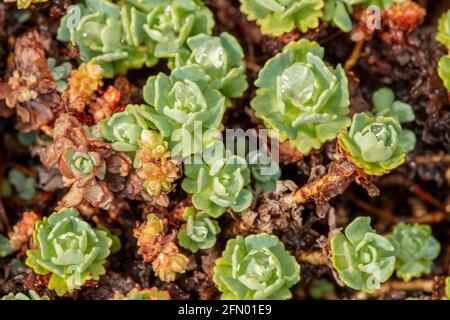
(224, 149)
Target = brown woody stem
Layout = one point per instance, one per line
(340, 174)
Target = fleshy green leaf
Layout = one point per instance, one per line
(276, 17)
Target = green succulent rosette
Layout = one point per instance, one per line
(276, 17)
(416, 248)
(24, 185)
(220, 60)
(123, 129)
(59, 73)
(362, 258)
(68, 248)
(82, 165)
(32, 295)
(186, 110)
(199, 231)
(264, 170)
(169, 23)
(217, 181)
(444, 71)
(6, 247)
(443, 29)
(256, 267)
(300, 98)
(110, 33)
(373, 143)
(377, 143)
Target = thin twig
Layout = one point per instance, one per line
(380, 212)
(399, 179)
(433, 158)
(432, 217)
(316, 257)
(353, 59)
(4, 221)
(398, 285)
(386, 213)
(25, 170)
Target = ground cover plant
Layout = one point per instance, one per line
(224, 149)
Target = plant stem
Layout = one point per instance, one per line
(382, 213)
(339, 175)
(353, 59)
(399, 179)
(398, 285)
(4, 221)
(315, 257)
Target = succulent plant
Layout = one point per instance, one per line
(338, 13)
(264, 169)
(199, 231)
(25, 4)
(21, 233)
(186, 111)
(21, 296)
(6, 246)
(276, 17)
(443, 29)
(25, 186)
(156, 169)
(300, 98)
(111, 34)
(373, 143)
(90, 168)
(169, 262)
(377, 144)
(27, 138)
(144, 294)
(157, 246)
(217, 181)
(256, 267)
(59, 73)
(416, 248)
(82, 165)
(149, 235)
(68, 248)
(123, 129)
(385, 105)
(151, 147)
(84, 81)
(169, 23)
(220, 60)
(444, 71)
(159, 176)
(362, 258)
